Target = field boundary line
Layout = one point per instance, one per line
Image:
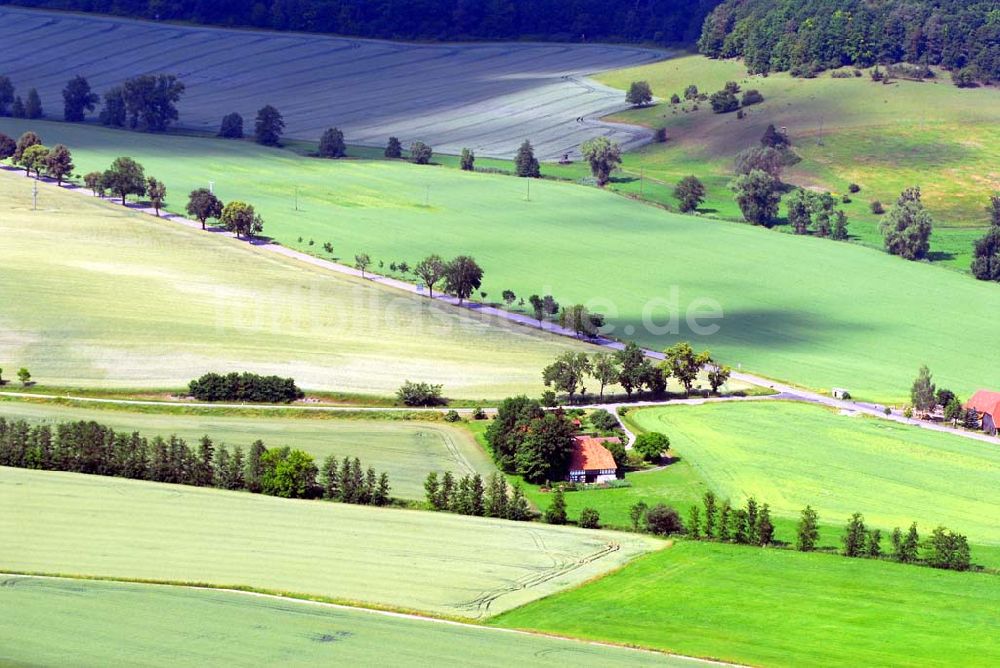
(413, 616)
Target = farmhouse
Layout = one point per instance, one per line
(591, 461)
(987, 404)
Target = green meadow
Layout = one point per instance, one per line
(792, 454)
(883, 137)
(435, 563)
(103, 297)
(407, 451)
(781, 608)
(805, 310)
(92, 623)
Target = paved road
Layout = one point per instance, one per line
(785, 390)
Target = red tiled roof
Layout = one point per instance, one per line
(589, 454)
(985, 402)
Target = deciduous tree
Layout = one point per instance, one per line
(7, 146)
(34, 159)
(639, 94)
(331, 144)
(241, 219)
(758, 197)
(156, 190)
(689, 193)
(78, 99)
(151, 101)
(269, 126)
(468, 160)
(462, 277)
(231, 126)
(525, 163)
(907, 229)
(651, 445)
(567, 372)
(59, 163)
(430, 270)
(393, 149)
(114, 112)
(33, 105)
(986, 256)
(125, 177)
(684, 364)
(421, 153)
(203, 204)
(604, 368)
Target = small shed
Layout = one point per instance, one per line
(987, 404)
(591, 461)
(840, 393)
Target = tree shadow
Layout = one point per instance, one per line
(940, 256)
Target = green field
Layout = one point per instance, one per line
(799, 309)
(407, 451)
(439, 563)
(781, 608)
(793, 454)
(883, 137)
(109, 298)
(87, 623)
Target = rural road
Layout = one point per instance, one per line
(783, 390)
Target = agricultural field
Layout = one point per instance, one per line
(487, 97)
(792, 454)
(436, 563)
(407, 451)
(803, 310)
(91, 623)
(155, 304)
(883, 137)
(781, 608)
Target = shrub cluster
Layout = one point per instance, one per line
(468, 496)
(244, 387)
(420, 394)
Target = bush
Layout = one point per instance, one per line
(752, 96)
(244, 387)
(603, 420)
(663, 520)
(549, 399)
(452, 416)
(651, 445)
(854, 188)
(724, 101)
(420, 394)
(590, 519)
(479, 413)
(660, 135)
(675, 99)
(877, 208)
(843, 74)
(846, 199)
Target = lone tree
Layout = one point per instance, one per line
(690, 193)
(639, 94)
(684, 364)
(78, 99)
(462, 277)
(758, 197)
(361, 262)
(567, 373)
(23, 375)
(468, 160)
(59, 163)
(125, 177)
(420, 153)
(156, 190)
(114, 113)
(430, 270)
(907, 228)
(269, 126)
(33, 105)
(651, 445)
(241, 219)
(231, 126)
(718, 375)
(6, 95)
(331, 144)
(807, 533)
(7, 146)
(394, 149)
(604, 157)
(151, 101)
(525, 163)
(203, 204)
(922, 392)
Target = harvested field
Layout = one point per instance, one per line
(439, 563)
(488, 97)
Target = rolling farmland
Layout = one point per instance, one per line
(88, 623)
(407, 451)
(439, 563)
(155, 304)
(798, 309)
(781, 608)
(793, 454)
(488, 97)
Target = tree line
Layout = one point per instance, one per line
(97, 449)
(469, 496)
(806, 37)
(656, 21)
(244, 386)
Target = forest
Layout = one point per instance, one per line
(806, 36)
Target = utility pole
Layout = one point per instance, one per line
(296, 198)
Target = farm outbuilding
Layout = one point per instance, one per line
(987, 404)
(591, 461)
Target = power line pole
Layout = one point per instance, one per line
(296, 198)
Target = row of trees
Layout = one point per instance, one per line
(462, 275)
(90, 447)
(23, 375)
(29, 152)
(469, 496)
(11, 104)
(633, 370)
